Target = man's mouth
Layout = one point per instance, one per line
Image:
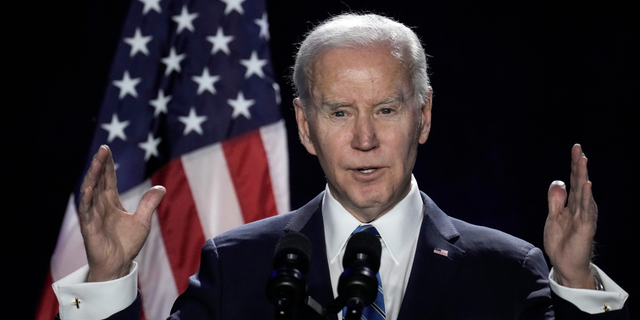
(366, 170)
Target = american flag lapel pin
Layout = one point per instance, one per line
(441, 252)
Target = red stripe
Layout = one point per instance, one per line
(249, 169)
(48, 306)
(179, 222)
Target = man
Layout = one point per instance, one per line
(364, 105)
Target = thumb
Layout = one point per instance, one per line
(149, 201)
(557, 197)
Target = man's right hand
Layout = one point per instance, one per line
(112, 236)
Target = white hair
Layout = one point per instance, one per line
(351, 30)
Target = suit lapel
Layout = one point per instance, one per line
(308, 221)
(432, 269)
(431, 272)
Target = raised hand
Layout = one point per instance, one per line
(569, 230)
(112, 236)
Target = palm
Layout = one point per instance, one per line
(112, 236)
(569, 230)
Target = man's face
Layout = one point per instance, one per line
(364, 128)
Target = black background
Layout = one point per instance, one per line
(516, 85)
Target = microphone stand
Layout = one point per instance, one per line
(283, 310)
(354, 309)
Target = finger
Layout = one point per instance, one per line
(556, 197)
(578, 163)
(104, 153)
(111, 182)
(581, 177)
(91, 177)
(149, 202)
(86, 195)
(576, 152)
(90, 182)
(588, 206)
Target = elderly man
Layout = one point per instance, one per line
(364, 105)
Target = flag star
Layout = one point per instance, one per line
(115, 128)
(150, 146)
(138, 43)
(264, 26)
(241, 106)
(160, 103)
(127, 85)
(173, 61)
(220, 42)
(193, 122)
(233, 5)
(185, 19)
(151, 5)
(276, 88)
(254, 65)
(206, 81)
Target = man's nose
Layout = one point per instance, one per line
(364, 136)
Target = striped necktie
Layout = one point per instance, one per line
(374, 311)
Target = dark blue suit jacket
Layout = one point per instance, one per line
(487, 274)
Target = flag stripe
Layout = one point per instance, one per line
(274, 139)
(179, 222)
(212, 190)
(157, 284)
(247, 162)
(70, 252)
(48, 303)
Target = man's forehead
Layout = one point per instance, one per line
(339, 75)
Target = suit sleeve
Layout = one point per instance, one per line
(203, 297)
(533, 294)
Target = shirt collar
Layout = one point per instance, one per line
(397, 228)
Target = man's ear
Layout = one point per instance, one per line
(303, 126)
(425, 113)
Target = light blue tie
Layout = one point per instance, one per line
(374, 311)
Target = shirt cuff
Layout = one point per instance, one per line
(94, 300)
(592, 301)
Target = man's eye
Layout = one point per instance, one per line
(386, 111)
(339, 114)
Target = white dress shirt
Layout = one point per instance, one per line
(399, 229)
(398, 251)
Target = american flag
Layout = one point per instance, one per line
(191, 104)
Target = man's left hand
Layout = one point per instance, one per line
(569, 230)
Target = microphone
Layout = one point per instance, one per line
(358, 285)
(287, 285)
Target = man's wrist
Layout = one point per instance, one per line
(578, 280)
(97, 276)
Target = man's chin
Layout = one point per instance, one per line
(369, 207)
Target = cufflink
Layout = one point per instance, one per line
(76, 302)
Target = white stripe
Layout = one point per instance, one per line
(156, 282)
(212, 189)
(274, 139)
